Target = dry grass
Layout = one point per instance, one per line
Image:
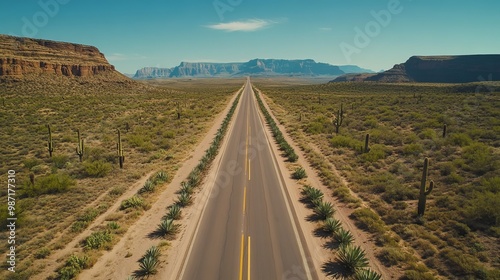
(153, 136)
(459, 234)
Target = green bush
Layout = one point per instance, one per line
(98, 240)
(377, 152)
(352, 258)
(133, 202)
(42, 253)
(479, 158)
(459, 139)
(484, 210)
(324, 210)
(392, 256)
(97, 169)
(368, 220)
(74, 265)
(412, 149)
(59, 161)
(50, 184)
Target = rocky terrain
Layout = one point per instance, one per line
(24, 56)
(255, 67)
(437, 69)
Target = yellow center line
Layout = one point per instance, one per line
(241, 255)
(248, 265)
(244, 199)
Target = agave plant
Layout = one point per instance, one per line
(148, 265)
(332, 225)
(324, 210)
(174, 212)
(367, 274)
(161, 177)
(343, 237)
(153, 252)
(149, 186)
(166, 227)
(352, 258)
(299, 173)
(313, 195)
(184, 199)
(186, 187)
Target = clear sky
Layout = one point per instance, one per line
(374, 34)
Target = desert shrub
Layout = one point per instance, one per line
(392, 256)
(149, 186)
(59, 161)
(484, 210)
(98, 240)
(133, 202)
(341, 141)
(428, 133)
(479, 158)
(368, 220)
(459, 139)
(460, 263)
(398, 192)
(50, 184)
(31, 162)
(96, 169)
(73, 266)
(377, 152)
(412, 149)
(417, 275)
(42, 253)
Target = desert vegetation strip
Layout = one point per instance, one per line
(351, 258)
(456, 236)
(167, 227)
(60, 197)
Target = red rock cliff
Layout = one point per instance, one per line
(21, 56)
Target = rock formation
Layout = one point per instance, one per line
(23, 56)
(438, 69)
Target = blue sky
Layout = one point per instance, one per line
(374, 34)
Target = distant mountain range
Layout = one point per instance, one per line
(255, 67)
(436, 69)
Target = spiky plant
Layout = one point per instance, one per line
(149, 186)
(153, 251)
(324, 210)
(148, 265)
(186, 187)
(343, 237)
(174, 212)
(183, 199)
(299, 173)
(313, 195)
(367, 274)
(166, 227)
(352, 258)
(332, 225)
(161, 177)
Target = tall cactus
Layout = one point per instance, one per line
(444, 130)
(339, 118)
(79, 147)
(367, 141)
(424, 192)
(50, 145)
(119, 150)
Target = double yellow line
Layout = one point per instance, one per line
(242, 253)
(242, 248)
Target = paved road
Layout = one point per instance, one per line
(247, 230)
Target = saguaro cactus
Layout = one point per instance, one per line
(424, 192)
(444, 130)
(339, 118)
(178, 110)
(79, 147)
(367, 140)
(119, 150)
(32, 179)
(50, 145)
